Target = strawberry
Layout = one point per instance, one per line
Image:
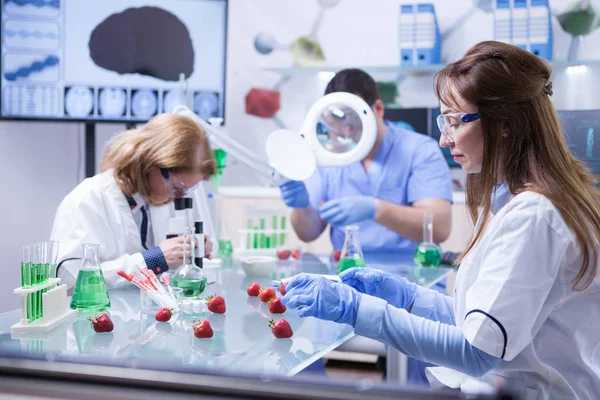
(253, 289)
(282, 288)
(281, 328)
(296, 254)
(202, 329)
(276, 306)
(216, 304)
(102, 323)
(164, 314)
(337, 254)
(283, 254)
(267, 294)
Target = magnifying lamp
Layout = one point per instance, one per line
(339, 129)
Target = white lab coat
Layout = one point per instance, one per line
(96, 211)
(513, 299)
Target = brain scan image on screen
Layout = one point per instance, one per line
(206, 105)
(144, 103)
(112, 60)
(129, 42)
(112, 102)
(172, 99)
(79, 101)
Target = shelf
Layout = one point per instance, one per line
(405, 70)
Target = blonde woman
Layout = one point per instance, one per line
(151, 165)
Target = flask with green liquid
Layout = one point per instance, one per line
(90, 293)
(428, 254)
(189, 277)
(352, 255)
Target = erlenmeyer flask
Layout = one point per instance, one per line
(428, 254)
(90, 292)
(352, 255)
(189, 277)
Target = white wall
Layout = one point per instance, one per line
(40, 163)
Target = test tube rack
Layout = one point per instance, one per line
(266, 230)
(54, 303)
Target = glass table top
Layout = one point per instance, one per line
(242, 338)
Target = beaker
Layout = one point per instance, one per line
(90, 294)
(428, 254)
(352, 255)
(189, 277)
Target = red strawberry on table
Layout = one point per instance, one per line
(216, 304)
(276, 306)
(202, 329)
(296, 254)
(283, 254)
(253, 289)
(281, 328)
(337, 254)
(164, 314)
(102, 323)
(282, 288)
(267, 294)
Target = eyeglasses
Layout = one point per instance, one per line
(449, 123)
(178, 188)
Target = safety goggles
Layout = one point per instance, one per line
(450, 123)
(178, 188)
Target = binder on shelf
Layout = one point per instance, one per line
(407, 34)
(525, 23)
(419, 35)
(520, 24)
(540, 29)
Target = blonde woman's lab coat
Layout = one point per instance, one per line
(96, 211)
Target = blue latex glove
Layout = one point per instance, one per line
(317, 296)
(294, 194)
(394, 289)
(348, 210)
(435, 342)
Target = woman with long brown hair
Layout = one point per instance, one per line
(152, 165)
(526, 305)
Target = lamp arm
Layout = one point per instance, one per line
(218, 139)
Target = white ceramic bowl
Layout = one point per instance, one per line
(258, 265)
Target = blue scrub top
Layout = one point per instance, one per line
(408, 167)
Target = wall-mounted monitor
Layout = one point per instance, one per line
(413, 119)
(582, 132)
(112, 60)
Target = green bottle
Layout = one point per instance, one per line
(225, 248)
(352, 255)
(189, 277)
(349, 262)
(90, 293)
(428, 254)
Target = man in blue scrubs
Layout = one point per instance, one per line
(387, 194)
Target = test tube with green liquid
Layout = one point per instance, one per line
(263, 243)
(249, 234)
(41, 278)
(34, 276)
(282, 234)
(26, 274)
(52, 258)
(274, 235)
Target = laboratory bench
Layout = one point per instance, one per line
(242, 342)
